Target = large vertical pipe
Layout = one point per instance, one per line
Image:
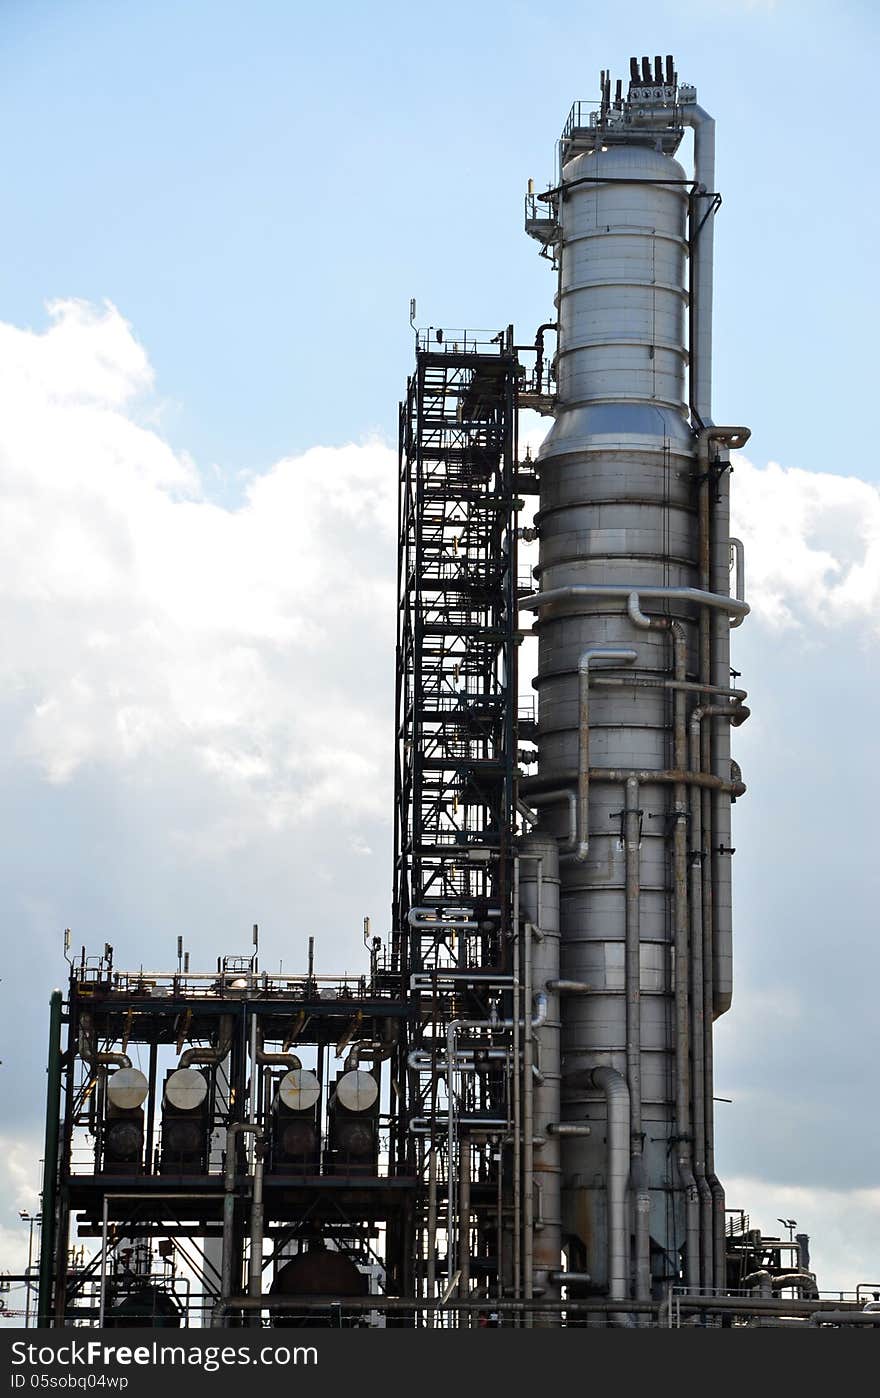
(431, 1259)
(465, 1157)
(702, 253)
(698, 1096)
(613, 1084)
(681, 938)
(633, 991)
(539, 886)
(230, 1276)
(528, 1104)
(50, 1162)
(725, 714)
(255, 1270)
(517, 1079)
(151, 1106)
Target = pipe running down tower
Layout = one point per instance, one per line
(633, 611)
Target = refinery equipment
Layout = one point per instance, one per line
(509, 1118)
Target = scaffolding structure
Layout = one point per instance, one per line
(455, 798)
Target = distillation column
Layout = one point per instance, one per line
(632, 613)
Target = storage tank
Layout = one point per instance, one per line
(320, 1273)
(354, 1123)
(185, 1123)
(632, 614)
(295, 1140)
(123, 1139)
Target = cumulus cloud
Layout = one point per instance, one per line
(813, 541)
(19, 1191)
(141, 619)
(844, 1226)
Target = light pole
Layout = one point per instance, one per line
(30, 1219)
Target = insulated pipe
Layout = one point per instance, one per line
(226, 1265)
(574, 591)
(681, 939)
(429, 917)
(464, 1218)
(715, 557)
(641, 1196)
(583, 793)
(452, 1029)
(284, 1060)
(698, 1043)
(617, 775)
(422, 1060)
(735, 714)
(208, 1056)
(431, 1260)
(88, 1047)
(255, 1270)
(528, 1103)
(632, 981)
(518, 1010)
(372, 1050)
(48, 1203)
(739, 554)
(539, 893)
(609, 1081)
(719, 1305)
(689, 686)
(702, 257)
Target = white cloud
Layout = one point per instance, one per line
(18, 1190)
(142, 621)
(844, 1226)
(812, 544)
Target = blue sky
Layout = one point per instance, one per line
(214, 218)
(262, 188)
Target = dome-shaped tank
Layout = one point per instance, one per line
(148, 1307)
(317, 1274)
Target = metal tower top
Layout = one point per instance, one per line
(649, 114)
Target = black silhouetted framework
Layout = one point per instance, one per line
(455, 766)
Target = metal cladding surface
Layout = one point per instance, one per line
(620, 509)
(186, 1089)
(127, 1088)
(299, 1090)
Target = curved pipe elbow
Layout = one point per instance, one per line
(210, 1056)
(540, 1016)
(635, 613)
(88, 1048)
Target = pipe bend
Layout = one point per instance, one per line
(625, 655)
(208, 1056)
(88, 1048)
(613, 1085)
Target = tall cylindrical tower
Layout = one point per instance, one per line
(633, 613)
